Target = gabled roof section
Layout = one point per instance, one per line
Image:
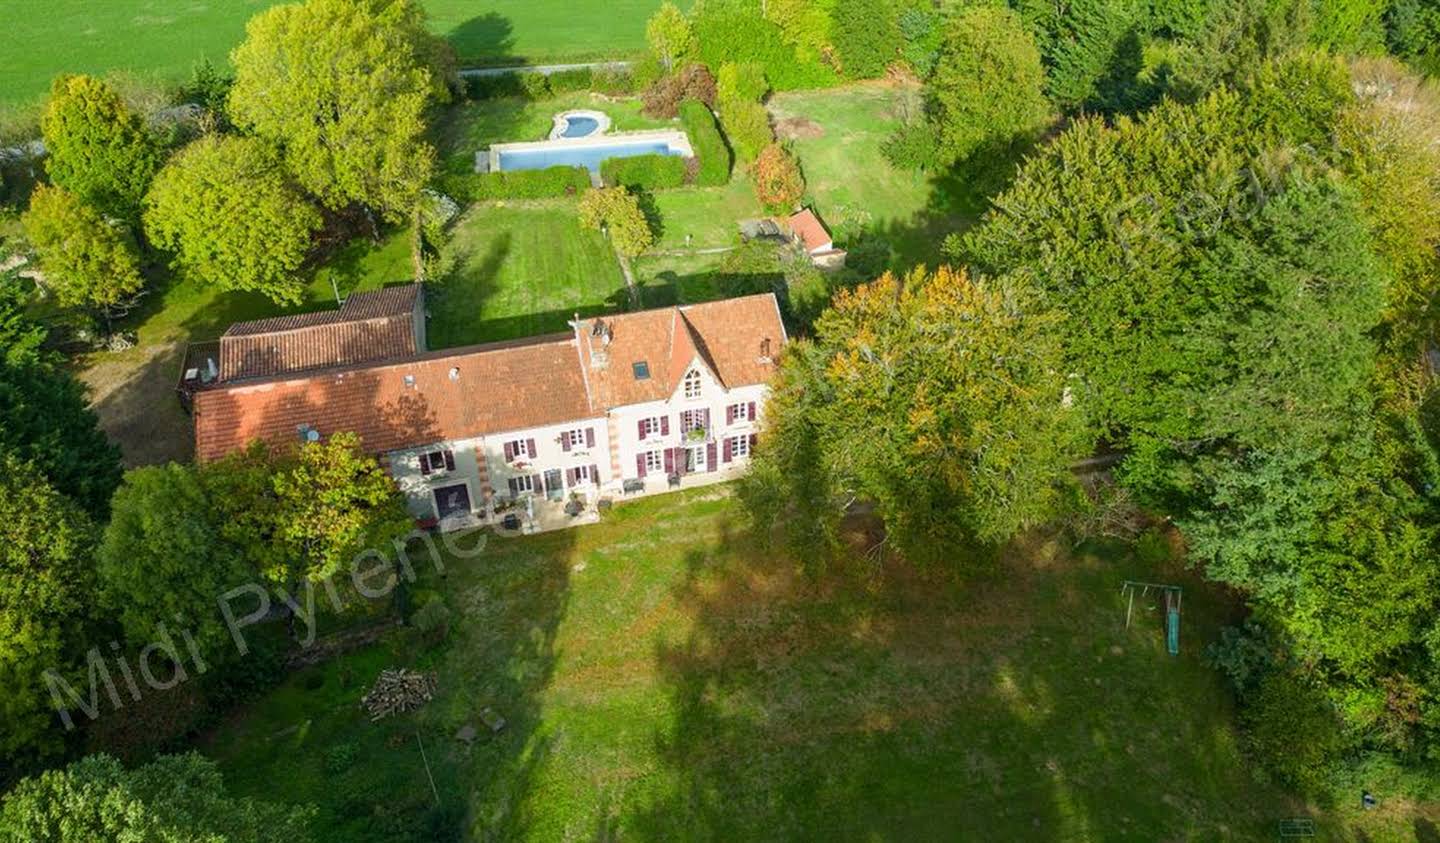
(370, 326)
(444, 395)
(739, 340)
(810, 230)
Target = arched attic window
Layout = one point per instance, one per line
(692, 383)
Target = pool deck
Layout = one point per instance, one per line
(677, 140)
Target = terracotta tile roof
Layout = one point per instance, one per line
(810, 230)
(726, 335)
(370, 326)
(498, 387)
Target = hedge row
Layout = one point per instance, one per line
(707, 142)
(645, 172)
(517, 184)
(612, 80)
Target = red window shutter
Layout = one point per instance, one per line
(669, 461)
(565, 440)
(595, 475)
(639, 465)
(449, 460)
(589, 437)
(705, 418)
(725, 452)
(509, 451)
(710, 456)
(641, 424)
(569, 477)
(729, 416)
(753, 437)
(751, 408)
(425, 463)
(530, 446)
(665, 425)
(537, 482)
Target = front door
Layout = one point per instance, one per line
(554, 488)
(695, 459)
(452, 500)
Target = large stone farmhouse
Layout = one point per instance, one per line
(533, 432)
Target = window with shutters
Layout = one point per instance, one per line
(580, 475)
(518, 449)
(522, 484)
(654, 461)
(650, 427)
(574, 438)
(739, 446)
(437, 462)
(693, 420)
(692, 384)
(740, 412)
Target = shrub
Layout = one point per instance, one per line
(778, 182)
(708, 144)
(432, 621)
(517, 184)
(1292, 729)
(613, 79)
(617, 211)
(911, 147)
(741, 82)
(747, 125)
(567, 81)
(533, 86)
(692, 82)
(645, 172)
(866, 36)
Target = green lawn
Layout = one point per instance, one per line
(837, 134)
(707, 214)
(166, 37)
(665, 679)
(521, 269)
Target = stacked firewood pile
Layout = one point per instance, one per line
(398, 691)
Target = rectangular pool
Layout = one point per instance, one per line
(588, 156)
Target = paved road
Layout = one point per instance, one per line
(546, 69)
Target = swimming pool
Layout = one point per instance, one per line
(587, 153)
(579, 127)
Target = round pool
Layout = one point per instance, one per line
(579, 124)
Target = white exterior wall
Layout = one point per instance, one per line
(549, 454)
(419, 488)
(617, 444)
(625, 424)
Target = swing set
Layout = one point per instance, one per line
(1172, 609)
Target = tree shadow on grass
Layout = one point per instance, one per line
(487, 39)
(884, 704)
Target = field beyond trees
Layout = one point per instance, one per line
(166, 37)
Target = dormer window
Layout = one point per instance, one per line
(641, 370)
(692, 384)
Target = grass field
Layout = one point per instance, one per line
(521, 269)
(837, 135)
(665, 679)
(165, 38)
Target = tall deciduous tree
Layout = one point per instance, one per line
(669, 35)
(163, 562)
(866, 37)
(172, 798)
(88, 261)
(343, 87)
(46, 591)
(45, 419)
(228, 209)
(940, 398)
(617, 211)
(779, 185)
(96, 148)
(986, 93)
